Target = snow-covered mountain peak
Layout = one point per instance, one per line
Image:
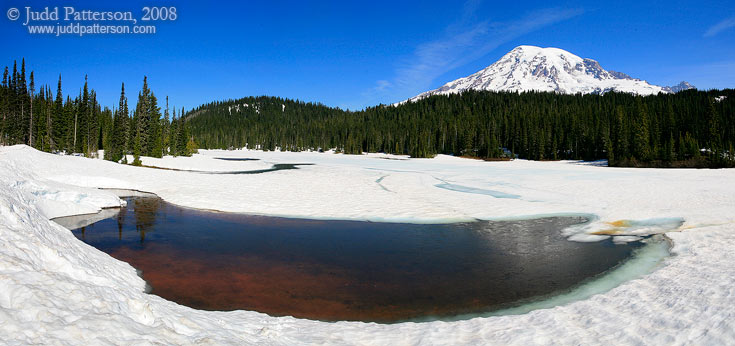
(527, 68)
(683, 85)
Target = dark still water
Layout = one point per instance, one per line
(346, 270)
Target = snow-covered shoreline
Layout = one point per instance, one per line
(55, 289)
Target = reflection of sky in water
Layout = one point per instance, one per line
(350, 270)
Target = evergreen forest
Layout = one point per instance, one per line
(687, 129)
(690, 128)
(39, 117)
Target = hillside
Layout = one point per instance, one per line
(623, 128)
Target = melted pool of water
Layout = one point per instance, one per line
(236, 159)
(346, 270)
(275, 167)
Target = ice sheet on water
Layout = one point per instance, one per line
(468, 189)
(78, 221)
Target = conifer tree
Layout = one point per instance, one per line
(49, 120)
(667, 133)
(59, 121)
(174, 135)
(93, 125)
(30, 125)
(641, 145)
(22, 132)
(4, 107)
(191, 147)
(117, 143)
(714, 142)
(154, 128)
(143, 122)
(165, 129)
(70, 110)
(81, 126)
(183, 136)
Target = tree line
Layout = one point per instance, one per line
(687, 129)
(81, 125)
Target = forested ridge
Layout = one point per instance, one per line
(687, 129)
(36, 116)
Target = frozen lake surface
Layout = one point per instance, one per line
(55, 289)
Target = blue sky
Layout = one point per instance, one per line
(353, 54)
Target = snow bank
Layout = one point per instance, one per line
(56, 289)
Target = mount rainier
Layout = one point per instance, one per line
(527, 68)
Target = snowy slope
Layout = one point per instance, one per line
(55, 289)
(527, 68)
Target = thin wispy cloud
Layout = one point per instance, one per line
(720, 27)
(464, 41)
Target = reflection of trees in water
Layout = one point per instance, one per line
(146, 211)
(120, 222)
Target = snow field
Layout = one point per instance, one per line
(56, 289)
